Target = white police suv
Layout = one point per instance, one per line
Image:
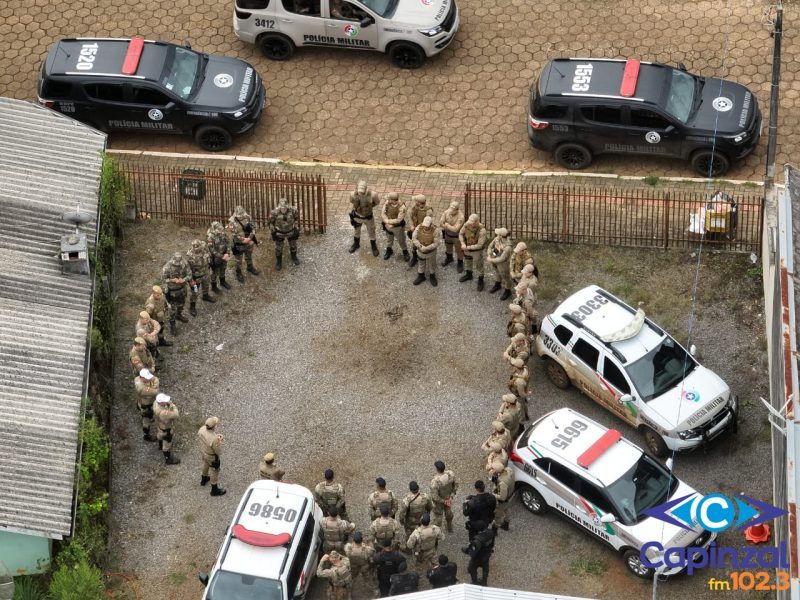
(408, 30)
(271, 548)
(602, 483)
(636, 370)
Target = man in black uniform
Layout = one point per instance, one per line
(404, 582)
(479, 508)
(388, 563)
(480, 550)
(444, 574)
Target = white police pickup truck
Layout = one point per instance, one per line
(407, 30)
(602, 483)
(636, 370)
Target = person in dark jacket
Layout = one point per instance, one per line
(387, 563)
(479, 508)
(404, 582)
(444, 574)
(480, 550)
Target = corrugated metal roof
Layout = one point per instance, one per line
(48, 165)
(465, 591)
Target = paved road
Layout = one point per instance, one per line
(465, 108)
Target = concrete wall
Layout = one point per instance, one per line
(25, 554)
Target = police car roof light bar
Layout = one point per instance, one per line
(596, 450)
(629, 78)
(132, 56)
(257, 538)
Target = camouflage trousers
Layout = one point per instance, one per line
(245, 254)
(501, 513)
(502, 274)
(218, 270)
(177, 298)
(426, 262)
(164, 436)
(146, 412)
(339, 592)
(328, 545)
(439, 511)
(370, 223)
(473, 261)
(279, 240)
(426, 559)
(392, 232)
(201, 285)
(209, 460)
(449, 242)
(364, 569)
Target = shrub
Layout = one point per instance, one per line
(79, 582)
(28, 588)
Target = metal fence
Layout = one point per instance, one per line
(618, 216)
(197, 196)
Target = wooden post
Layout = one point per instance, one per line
(666, 220)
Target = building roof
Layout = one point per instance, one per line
(49, 164)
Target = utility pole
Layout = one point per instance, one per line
(772, 131)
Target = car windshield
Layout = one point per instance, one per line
(181, 74)
(680, 96)
(227, 585)
(384, 8)
(645, 485)
(661, 369)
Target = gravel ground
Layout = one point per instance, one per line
(342, 363)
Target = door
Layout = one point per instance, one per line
(584, 361)
(602, 127)
(343, 23)
(302, 21)
(151, 109)
(104, 106)
(615, 385)
(653, 133)
(559, 483)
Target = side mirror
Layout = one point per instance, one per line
(366, 21)
(669, 464)
(625, 398)
(692, 350)
(608, 518)
(203, 577)
(669, 129)
(681, 66)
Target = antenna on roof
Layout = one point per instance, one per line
(77, 217)
(60, 47)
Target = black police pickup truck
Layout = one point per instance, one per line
(583, 107)
(142, 85)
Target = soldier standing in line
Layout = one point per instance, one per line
(336, 569)
(284, 224)
(147, 388)
(244, 240)
(451, 222)
(386, 528)
(268, 470)
(363, 202)
(140, 357)
(526, 298)
(157, 307)
(148, 329)
(166, 413)
(387, 563)
(499, 434)
(473, 241)
(518, 384)
(510, 413)
(419, 210)
(361, 556)
(518, 323)
(529, 278)
(393, 217)
(480, 551)
(443, 574)
(426, 239)
(219, 247)
(499, 256)
(404, 581)
(496, 454)
(519, 347)
(198, 258)
(210, 448)
(443, 487)
(381, 497)
(503, 479)
(176, 274)
(424, 541)
(335, 530)
(519, 260)
(329, 494)
(412, 507)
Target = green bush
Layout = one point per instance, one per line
(28, 588)
(79, 582)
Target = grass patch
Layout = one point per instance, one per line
(183, 349)
(177, 578)
(189, 518)
(586, 566)
(652, 180)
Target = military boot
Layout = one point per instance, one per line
(172, 328)
(433, 281)
(466, 276)
(253, 270)
(148, 437)
(171, 459)
(448, 258)
(480, 283)
(207, 298)
(193, 308)
(239, 275)
(495, 287)
(217, 490)
(214, 287)
(420, 278)
(295, 260)
(388, 253)
(414, 259)
(406, 256)
(356, 245)
(506, 294)
(459, 266)
(224, 283)
(278, 262)
(204, 479)
(374, 245)
(162, 341)
(181, 316)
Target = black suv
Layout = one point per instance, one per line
(582, 107)
(141, 85)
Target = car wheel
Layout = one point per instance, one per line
(557, 374)
(710, 164)
(276, 47)
(213, 138)
(573, 156)
(655, 443)
(532, 500)
(407, 56)
(635, 564)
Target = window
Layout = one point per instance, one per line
(301, 555)
(563, 475)
(346, 11)
(57, 89)
(106, 92)
(612, 115)
(182, 73)
(647, 119)
(587, 353)
(594, 496)
(252, 4)
(302, 7)
(549, 111)
(614, 376)
(563, 334)
(151, 97)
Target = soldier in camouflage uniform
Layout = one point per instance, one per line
(243, 229)
(329, 494)
(424, 541)
(386, 528)
(529, 278)
(381, 497)
(361, 557)
(473, 241)
(426, 239)
(198, 258)
(451, 222)
(363, 202)
(175, 275)
(498, 254)
(268, 470)
(219, 247)
(147, 388)
(157, 307)
(518, 384)
(393, 216)
(419, 210)
(148, 329)
(519, 259)
(336, 569)
(412, 507)
(210, 449)
(166, 413)
(510, 414)
(499, 434)
(518, 323)
(140, 357)
(496, 454)
(519, 347)
(284, 224)
(443, 487)
(503, 479)
(526, 298)
(335, 530)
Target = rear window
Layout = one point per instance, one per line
(252, 4)
(107, 92)
(54, 88)
(611, 115)
(546, 110)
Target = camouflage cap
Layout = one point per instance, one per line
(269, 457)
(144, 315)
(145, 373)
(473, 218)
(177, 257)
(528, 269)
(419, 198)
(498, 426)
(454, 205)
(138, 340)
(510, 398)
(520, 247)
(238, 211)
(334, 555)
(518, 336)
(521, 287)
(283, 203)
(157, 289)
(495, 447)
(212, 422)
(515, 308)
(216, 226)
(197, 244)
(501, 231)
(362, 186)
(394, 196)
(427, 221)
(162, 399)
(497, 466)
(517, 362)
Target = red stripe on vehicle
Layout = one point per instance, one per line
(629, 78)
(132, 56)
(596, 450)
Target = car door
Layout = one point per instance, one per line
(104, 106)
(602, 127)
(584, 360)
(152, 109)
(343, 22)
(591, 504)
(653, 133)
(616, 384)
(303, 22)
(559, 483)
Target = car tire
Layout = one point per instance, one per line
(634, 564)
(710, 164)
(275, 46)
(655, 443)
(532, 500)
(213, 138)
(557, 374)
(573, 156)
(406, 55)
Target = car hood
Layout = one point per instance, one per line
(421, 13)
(693, 401)
(229, 83)
(651, 529)
(726, 107)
